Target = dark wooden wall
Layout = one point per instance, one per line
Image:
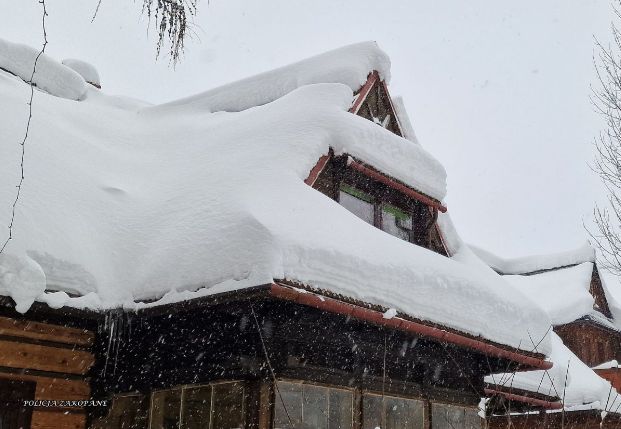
(222, 342)
(592, 343)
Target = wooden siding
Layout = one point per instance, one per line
(613, 375)
(57, 358)
(592, 343)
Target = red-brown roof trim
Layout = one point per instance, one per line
(376, 175)
(317, 169)
(548, 405)
(364, 91)
(332, 305)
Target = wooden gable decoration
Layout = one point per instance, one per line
(373, 102)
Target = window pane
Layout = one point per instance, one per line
(450, 417)
(165, 408)
(196, 407)
(291, 394)
(391, 412)
(341, 409)
(359, 203)
(228, 406)
(315, 407)
(396, 222)
(371, 411)
(473, 420)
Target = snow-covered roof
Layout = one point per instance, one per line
(84, 69)
(563, 293)
(126, 202)
(570, 380)
(534, 263)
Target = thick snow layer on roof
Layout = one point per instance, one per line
(577, 385)
(529, 264)
(349, 65)
(84, 69)
(563, 293)
(123, 202)
(50, 75)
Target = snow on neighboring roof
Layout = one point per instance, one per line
(607, 365)
(84, 69)
(577, 385)
(50, 75)
(129, 203)
(563, 293)
(529, 264)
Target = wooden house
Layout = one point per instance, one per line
(585, 323)
(285, 353)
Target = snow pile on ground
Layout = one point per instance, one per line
(577, 385)
(84, 69)
(124, 203)
(529, 264)
(572, 284)
(50, 75)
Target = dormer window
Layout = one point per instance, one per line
(358, 202)
(396, 220)
(376, 199)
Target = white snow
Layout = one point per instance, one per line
(404, 120)
(349, 65)
(84, 69)
(577, 385)
(607, 365)
(563, 293)
(529, 264)
(125, 202)
(50, 75)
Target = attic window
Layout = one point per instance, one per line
(388, 217)
(396, 222)
(357, 202)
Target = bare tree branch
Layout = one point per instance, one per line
(23, 142)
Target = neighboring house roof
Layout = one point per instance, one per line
(125, 202)
(570, 380)
(536, 263)
(567, 286)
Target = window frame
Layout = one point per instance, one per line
(425, 402)
(351, 390)
(448, 404)
(183, 387)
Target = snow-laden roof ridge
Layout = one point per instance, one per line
(349, 65)
(534, 263)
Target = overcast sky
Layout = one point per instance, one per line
(497, 91)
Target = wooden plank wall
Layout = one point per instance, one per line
(57, 358)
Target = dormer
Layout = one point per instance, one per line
(370, 194)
